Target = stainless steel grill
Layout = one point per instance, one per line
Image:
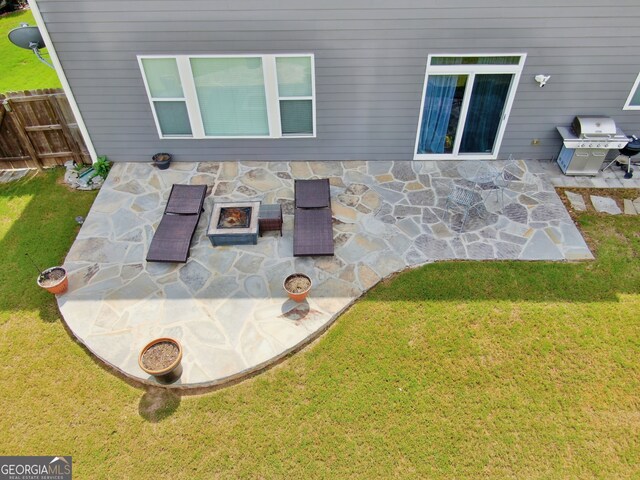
(586, 144)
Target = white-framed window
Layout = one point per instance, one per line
(466, 101)
(633, 100)
(231, 96)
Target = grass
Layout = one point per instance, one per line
(20, 68)
(454, 370)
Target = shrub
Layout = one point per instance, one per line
(12, 5)
(102, 166)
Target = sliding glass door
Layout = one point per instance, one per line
(465, 105)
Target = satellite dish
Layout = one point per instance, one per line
(28, 38)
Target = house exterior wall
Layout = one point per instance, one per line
(370, 60)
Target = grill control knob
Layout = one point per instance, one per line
(598, 145)
(590, 145)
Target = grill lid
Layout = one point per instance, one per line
(593, 126)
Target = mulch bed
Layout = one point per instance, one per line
(618, 194)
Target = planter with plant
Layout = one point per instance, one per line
(88, 177)
(161, 160)
(161, 358)
(52, 279)
(297, 286)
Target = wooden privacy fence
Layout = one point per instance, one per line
(38, 129)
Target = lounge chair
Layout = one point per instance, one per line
(312, 227)
(172, 239)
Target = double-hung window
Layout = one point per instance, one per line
(231, 96)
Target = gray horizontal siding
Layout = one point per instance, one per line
(370, 65)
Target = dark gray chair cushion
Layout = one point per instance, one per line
(313, 193)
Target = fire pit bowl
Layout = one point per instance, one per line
(234, 223)
(234, 217)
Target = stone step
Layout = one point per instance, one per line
(629, 207)
(605, 205)
(576, 200)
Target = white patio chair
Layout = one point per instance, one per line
(504, 178)
(466, 200)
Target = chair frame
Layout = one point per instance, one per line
(501, 182)
(467, 199)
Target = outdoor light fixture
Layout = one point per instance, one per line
(542, 79)
(28, 37)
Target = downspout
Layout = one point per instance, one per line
(63, 78)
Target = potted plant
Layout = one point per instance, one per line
(52, 279)
(161, 160)
(297, 286)
(161, 358)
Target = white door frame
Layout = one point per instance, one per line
(470, 70)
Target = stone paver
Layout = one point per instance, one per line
(629, 207)
(227, 305)
(7, 176)
(610, 178)
(576, 200)
(605, 205)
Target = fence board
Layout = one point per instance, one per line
(23, 138)
(37, 129)
(70, 121)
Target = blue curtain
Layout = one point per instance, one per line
(437, 112)
(485, 112)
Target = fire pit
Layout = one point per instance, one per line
(234, 217)
(234, 223)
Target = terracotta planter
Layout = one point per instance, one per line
(161, 160)
(56, 287)
(172, 372)
(297, 296)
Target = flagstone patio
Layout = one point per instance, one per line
(227, 305)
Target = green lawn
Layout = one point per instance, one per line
(455, 370)
(20, 69)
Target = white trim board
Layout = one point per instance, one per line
(63, 78)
